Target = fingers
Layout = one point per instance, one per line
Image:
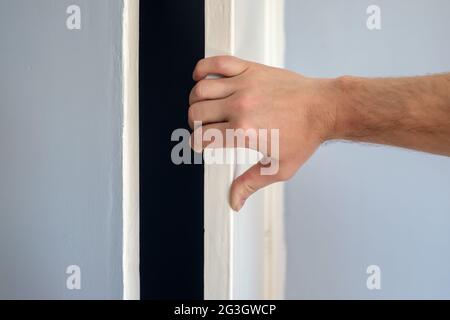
(208, 112)
(213, 89)
(209, 136)
(209, 89)
(248, 183)
(227, 66)
(223, 135)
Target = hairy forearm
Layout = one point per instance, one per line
(411, 112)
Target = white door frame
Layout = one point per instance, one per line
(130, 150)
(245, 252)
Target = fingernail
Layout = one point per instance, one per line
(238, 206)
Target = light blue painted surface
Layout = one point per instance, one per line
(354, 205)
(60, 149)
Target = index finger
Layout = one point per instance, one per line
(227, 66)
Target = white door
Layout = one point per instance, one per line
(244, 253)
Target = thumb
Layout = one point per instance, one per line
(248, 183)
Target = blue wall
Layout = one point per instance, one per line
(60, 149)
(355, 205)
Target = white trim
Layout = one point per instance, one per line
(275, 248)
(218, 267)
(130, 161)
(248, 247)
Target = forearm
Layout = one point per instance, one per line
(407, 112)
(304, 112)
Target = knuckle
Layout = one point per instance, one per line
(199, 89)
(240, 124)
(248, 187)
(197, 69)
(192, 96)
(244, 102)
(199, 64)
(221, 62)
(192, 114)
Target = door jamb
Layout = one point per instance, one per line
(219, 273)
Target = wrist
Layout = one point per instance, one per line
(330, 108)
(345, 113)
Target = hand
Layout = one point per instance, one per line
(255, 96)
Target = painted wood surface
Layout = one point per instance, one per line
(130, 159)
(218, 270)
(68, 187)
(244, 253)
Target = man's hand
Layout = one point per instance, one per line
(411, 112)
(254, 96)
